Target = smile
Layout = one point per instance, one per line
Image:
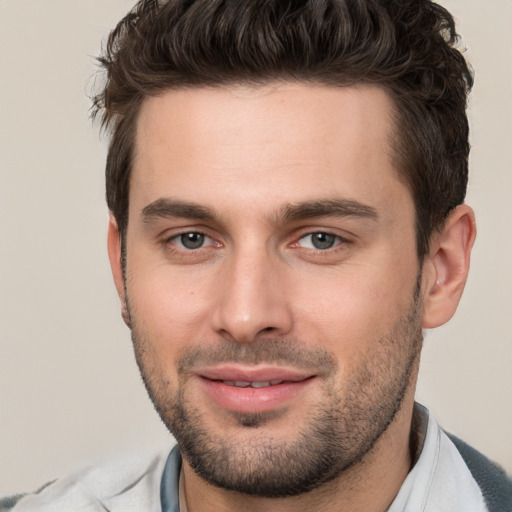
(245, 384)
(253, 390)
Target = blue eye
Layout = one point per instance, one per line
(319, 241)
(192, 240)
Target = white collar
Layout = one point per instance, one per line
(440, 481)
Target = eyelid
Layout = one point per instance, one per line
(343, 237)
(338, 240)
(170, 236)
(176, 240)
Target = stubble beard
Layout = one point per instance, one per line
(336, 435)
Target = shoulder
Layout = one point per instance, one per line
(496, 487)
(447, 474)
(132, 483)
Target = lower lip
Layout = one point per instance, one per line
(253, 400)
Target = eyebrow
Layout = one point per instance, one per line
(326, 208)
(172, 208)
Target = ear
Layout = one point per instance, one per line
(447, 265)
(114, 255)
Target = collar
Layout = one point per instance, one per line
(439, 478)
(169, 488)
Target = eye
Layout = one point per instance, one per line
(320, 241)
(192, 240)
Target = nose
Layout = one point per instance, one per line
(252, 298)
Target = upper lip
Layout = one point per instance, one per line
(260, 373)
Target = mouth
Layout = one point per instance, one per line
(245, 384)
(253, 390)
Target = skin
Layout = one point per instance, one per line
(247, 156)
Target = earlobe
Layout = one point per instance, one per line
(115, 257)
(447, 266)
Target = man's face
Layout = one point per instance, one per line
(271, 279)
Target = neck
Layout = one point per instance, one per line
(369, 485)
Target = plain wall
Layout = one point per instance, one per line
(70, 393)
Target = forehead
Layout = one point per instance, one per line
(289, 142)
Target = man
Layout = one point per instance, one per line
(286, 184)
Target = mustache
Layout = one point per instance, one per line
(270, 351)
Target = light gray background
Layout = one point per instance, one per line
(70, 393)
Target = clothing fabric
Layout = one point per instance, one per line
(447, 476)
(441, 480)
(129, 485)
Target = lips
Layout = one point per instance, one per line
(253, 389)
(245, 384)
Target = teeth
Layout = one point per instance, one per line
(261, 384)
(245, 384)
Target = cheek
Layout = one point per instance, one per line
(169, 309)
(354, 308)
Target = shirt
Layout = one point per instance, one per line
(439, 481)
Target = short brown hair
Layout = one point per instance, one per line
(408, 47)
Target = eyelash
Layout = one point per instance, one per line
(172, 240)
(337, 241)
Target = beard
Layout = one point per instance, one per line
(336, 433)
